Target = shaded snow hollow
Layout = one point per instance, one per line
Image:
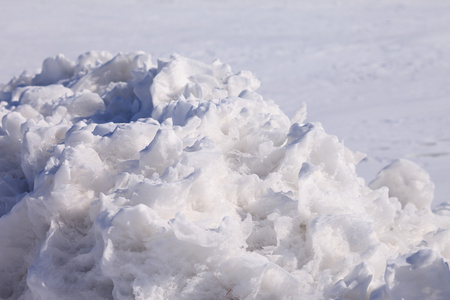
(125, 180)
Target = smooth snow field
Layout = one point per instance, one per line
(225, 150)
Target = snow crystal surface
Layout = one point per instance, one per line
(125, 179)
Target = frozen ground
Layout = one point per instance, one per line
(376, 74)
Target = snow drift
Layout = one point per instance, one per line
(125, 180)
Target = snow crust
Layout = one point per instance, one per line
(122, 179)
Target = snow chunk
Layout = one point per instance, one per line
(54, 70)
(421, 275)
(406, 181)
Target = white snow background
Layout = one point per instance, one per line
(375, 74)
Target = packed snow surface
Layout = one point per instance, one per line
(121, 179)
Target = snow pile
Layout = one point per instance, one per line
(121, 179)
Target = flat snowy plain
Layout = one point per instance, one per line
(374, 74)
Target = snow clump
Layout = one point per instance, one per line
(121, 179)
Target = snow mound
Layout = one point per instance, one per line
(121, 179)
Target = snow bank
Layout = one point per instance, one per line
(121, 179)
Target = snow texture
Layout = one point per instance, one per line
(375, 73)
(125, 179)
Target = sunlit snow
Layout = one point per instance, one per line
(159, 176)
